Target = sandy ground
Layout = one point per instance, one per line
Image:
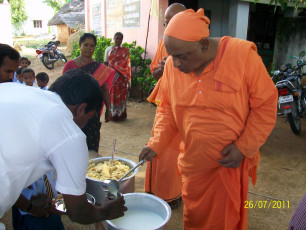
(281, 173)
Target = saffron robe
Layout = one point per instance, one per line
(159, 56)
(233, 101)
(163, 178)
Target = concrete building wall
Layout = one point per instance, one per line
(238, 19)
(228, 17)
(6, 24)
(291, 47)
(111, 21)
(218, 12)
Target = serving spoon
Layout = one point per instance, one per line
(113, 185)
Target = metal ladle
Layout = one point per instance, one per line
(113, 185)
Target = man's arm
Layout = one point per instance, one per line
(158, 73)
(70, 160)
(164, 128)
(79, 210)
(263, 98)
(156, 68)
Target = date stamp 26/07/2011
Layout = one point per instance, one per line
(266, 204)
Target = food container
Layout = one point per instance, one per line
(127, 185)
(145, 212)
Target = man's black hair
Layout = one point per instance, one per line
(76, 87)
(42, 76)
(19, 70)
(7, 51)
(28, 70)
(87, 35)
(118, 33)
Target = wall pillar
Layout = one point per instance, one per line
(238, 19)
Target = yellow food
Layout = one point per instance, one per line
(103, 171)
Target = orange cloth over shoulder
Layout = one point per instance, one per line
(159, 56)
(233, 101)
(189, 26)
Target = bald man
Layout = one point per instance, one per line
(158, 62)
(217, 94)
(162, 175)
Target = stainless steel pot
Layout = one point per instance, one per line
(143, 204)
(127, 185)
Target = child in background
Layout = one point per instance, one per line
(33, 218)
(42, 79)
(19, 77)
(23, 63)
(28, 76)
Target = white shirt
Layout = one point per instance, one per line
(37, 133)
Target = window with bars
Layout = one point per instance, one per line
(37, 23)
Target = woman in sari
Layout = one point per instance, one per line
(118, 57)
(104, 75)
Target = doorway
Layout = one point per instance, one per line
(190, 4)
(262, 29)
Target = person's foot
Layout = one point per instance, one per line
(175, 203)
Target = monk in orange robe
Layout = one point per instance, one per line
(217, 94)
(162, 175)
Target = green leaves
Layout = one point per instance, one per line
(56, 4)
(102, 44)
(18, 14)
(302, 54)
(75, 50)
(285, 3)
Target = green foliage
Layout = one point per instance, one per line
(285, 3)
(18, 14)
(102, 44)
(75, 50)
(56, 4)
(141, 75)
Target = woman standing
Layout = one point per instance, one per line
(118, 57)
(104, 75)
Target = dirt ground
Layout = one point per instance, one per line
(281, 173)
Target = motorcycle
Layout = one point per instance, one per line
(292, 94)
(49, 54)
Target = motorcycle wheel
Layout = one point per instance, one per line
(294, 121)
(47, 63)
(62, 56)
